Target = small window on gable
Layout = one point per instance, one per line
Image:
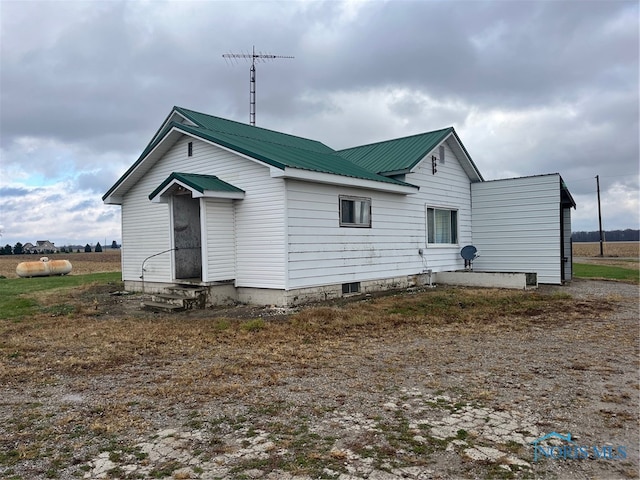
(355, 211)
(190, 149)
(442, 226)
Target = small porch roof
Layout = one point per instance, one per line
(207, 186)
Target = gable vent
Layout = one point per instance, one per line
(441, 154)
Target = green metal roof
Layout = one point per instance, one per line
(280, 150)
(201, 183)
(242, 130)
(283, 156)
(397, 156)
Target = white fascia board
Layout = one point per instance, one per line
(112, 200)
(215, 194)
(161, 198)
(329, 178)
(466, 163)
(142, 166)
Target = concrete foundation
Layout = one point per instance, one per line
(228, 294)
(515, 280)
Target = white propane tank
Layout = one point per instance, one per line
(43, 268)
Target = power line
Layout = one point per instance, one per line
(260, 57)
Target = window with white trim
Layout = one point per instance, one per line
(442, 226)
(355, 211)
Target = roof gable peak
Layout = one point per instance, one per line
(408, 137)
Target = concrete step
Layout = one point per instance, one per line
(161, 306)
(170, 298)
(178, 298)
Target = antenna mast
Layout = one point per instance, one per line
(260, 57)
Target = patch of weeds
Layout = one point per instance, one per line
(269, 409)
(494, 470)
(117, 472)
(215, 424)
(115, 456)
(266, 464)
(458, 406)
(462, 434)
(222, 324)
(194, 422)
(54, 470)
(60, 310)
(217, 445)
(9, 457)
(401, 438)
(513, 447)
(165, 470)
(254, 325)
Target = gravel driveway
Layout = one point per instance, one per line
(438, 405)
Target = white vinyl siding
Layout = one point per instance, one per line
(516, 226)
(448, 188)
(220, 240)
(259, 218)
(145, 232)
(320, 252)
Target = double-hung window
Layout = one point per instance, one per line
(355, 211)
(442, 226)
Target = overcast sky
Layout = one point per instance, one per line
(530, 87)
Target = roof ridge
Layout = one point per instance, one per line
(235, 122)
(396, 139)
(262, 140)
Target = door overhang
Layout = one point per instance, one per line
(198, 186)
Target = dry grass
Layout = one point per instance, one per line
(610, 249)
(138, 368)
(82, 263)
(210, 355)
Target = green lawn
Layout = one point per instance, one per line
(18, 296)
(587, 270)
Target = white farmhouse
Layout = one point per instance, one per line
(262, 217)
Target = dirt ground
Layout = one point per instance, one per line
(271, 393)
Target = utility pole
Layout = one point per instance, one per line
(599, 214)
(260, 57)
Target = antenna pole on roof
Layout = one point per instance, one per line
(252, 75)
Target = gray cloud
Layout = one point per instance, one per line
(13, 191)
(532, 87)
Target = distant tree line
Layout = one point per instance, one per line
(627, 235)
(18, 249)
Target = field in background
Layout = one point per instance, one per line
(620, 261)
(610, 249)
(82, 263)
(616, 254)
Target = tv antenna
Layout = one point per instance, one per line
(259, 57)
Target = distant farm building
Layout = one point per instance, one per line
(41, 246)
